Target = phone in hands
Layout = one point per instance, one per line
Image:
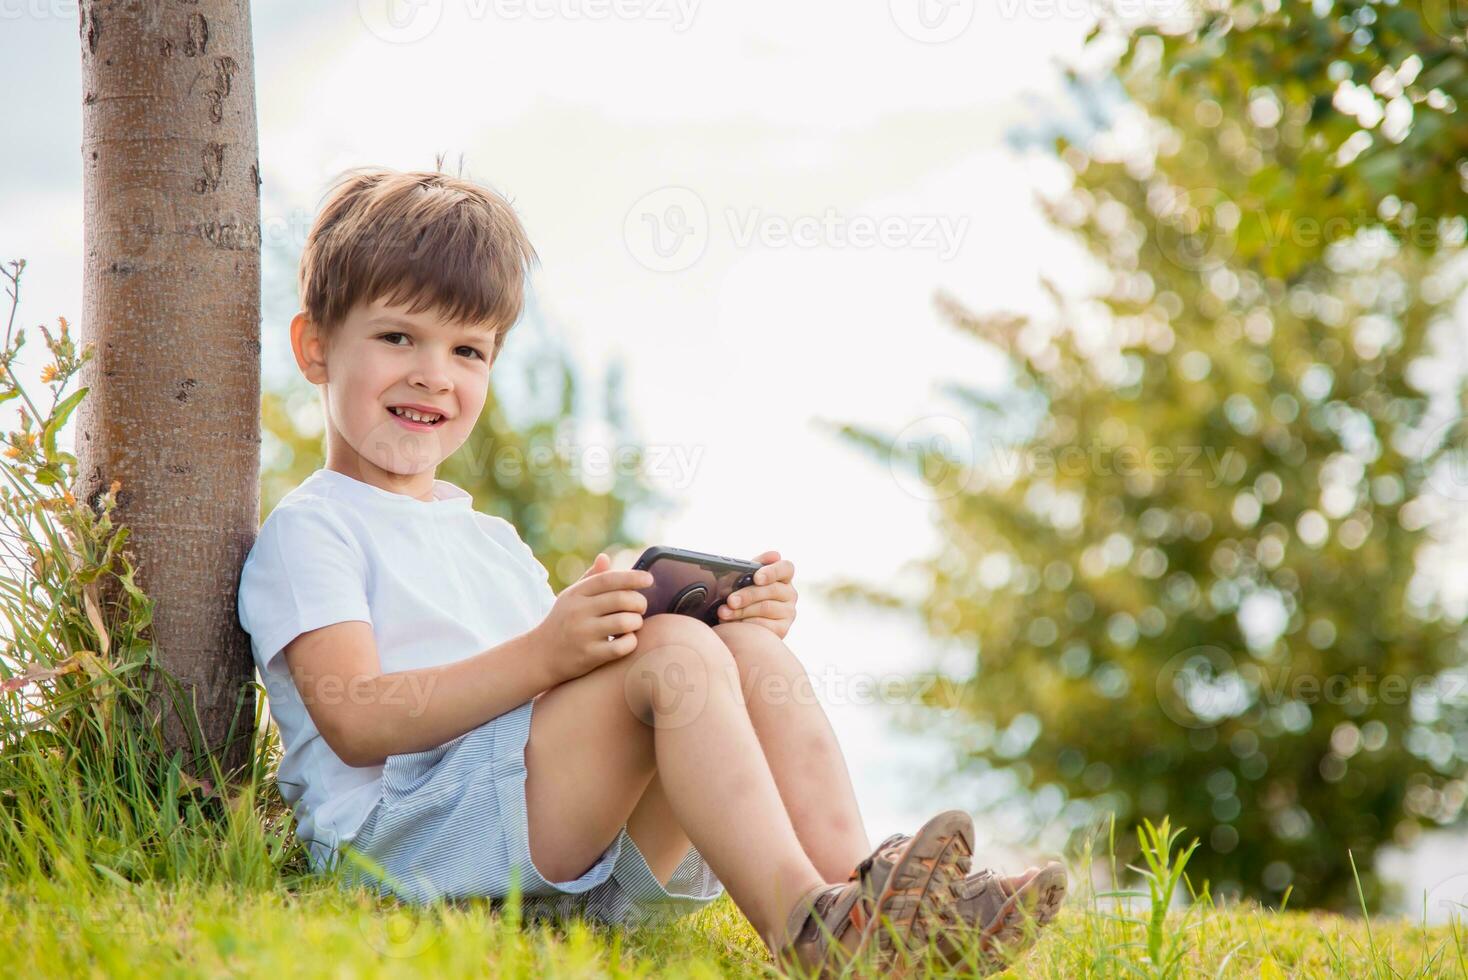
(692, 583)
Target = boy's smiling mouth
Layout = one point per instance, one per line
(415, 419)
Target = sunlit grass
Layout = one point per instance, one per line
(317, 930)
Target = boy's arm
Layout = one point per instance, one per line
(366, 715)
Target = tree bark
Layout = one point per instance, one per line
(171, 297)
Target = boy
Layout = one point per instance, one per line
(446, 715)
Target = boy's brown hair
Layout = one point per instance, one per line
(424, 238)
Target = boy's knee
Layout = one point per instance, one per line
(663, 628)
(675, 668)
(761, 655)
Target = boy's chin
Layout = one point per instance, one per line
(405, 455)
(399, 465)
(414, 469)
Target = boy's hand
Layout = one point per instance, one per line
(770, 601)
(598, 605)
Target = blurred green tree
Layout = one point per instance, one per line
(570, 477)
(1196, 548)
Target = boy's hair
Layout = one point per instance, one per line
(423, 238)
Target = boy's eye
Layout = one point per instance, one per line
(473, 351)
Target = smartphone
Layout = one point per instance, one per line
(691, 583)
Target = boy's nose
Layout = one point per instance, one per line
(430, 376)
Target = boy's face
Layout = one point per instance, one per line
(382, 357)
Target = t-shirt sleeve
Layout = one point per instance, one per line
(305, 571)
(509, 538)
(547, 594)
(538, 573)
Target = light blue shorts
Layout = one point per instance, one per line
(451, 823)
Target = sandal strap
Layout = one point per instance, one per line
(832, 910)
(865, 865)
(981, 896)
(824, 913)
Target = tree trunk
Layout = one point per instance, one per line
(171, 297)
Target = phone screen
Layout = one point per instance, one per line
(693, 586)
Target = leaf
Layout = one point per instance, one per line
(112, 876)
(58, 419)
(93, 665)
(187, 784)
(40, 672)
(94, 616)
(1270, 970)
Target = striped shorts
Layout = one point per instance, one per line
(451, 823)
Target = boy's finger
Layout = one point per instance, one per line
(751, 594)
(609, 581)
(593, 568)
(776, 626)
(770, 608)
(780, 571)
(619, 600)
(618, 623)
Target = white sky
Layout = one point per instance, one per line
(727, 130)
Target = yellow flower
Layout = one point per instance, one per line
(48, 373)
(13, 452)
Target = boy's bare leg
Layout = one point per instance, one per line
(656, 832)
(801, 750)
(800, 747)
(674, 707)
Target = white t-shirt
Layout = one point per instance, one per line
(438, 581)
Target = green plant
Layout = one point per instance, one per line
(1166, 947)
(88, 792)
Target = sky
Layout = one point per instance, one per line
(748, 206)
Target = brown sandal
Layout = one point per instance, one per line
(998, 912)
(891, 903)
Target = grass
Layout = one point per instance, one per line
(159, 929)
(123, 856)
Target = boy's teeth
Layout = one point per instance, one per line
(415, 416)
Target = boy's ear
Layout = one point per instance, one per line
(309, 348)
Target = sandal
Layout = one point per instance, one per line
(999, 911)
(892, 902)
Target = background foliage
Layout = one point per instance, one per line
(1194, 544)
